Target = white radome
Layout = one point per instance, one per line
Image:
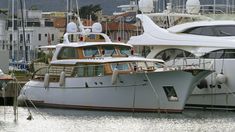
(193, 6)
(1, 73)
(72, 27)
(96, 28)
(146, 6)
(221, 78)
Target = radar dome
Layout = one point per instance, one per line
(72, 27)
(96, 27)
(1, 73)
(146, 6)
(193, 6)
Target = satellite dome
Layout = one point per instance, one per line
(72, 27)
(146, 6)
(1, 73)
(193, 6)
(96, 27)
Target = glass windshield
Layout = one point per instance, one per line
(109, 50)
(68, 53)
(124, 50)
(91, 51)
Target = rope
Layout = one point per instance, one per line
(157, 96)
(29, 101)
(133, 103)
(230, 91)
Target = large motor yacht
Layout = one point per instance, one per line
(217, 53)
(89, 71)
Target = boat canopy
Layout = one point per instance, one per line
(156, 36)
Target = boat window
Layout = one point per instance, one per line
(226, 30)
(74, 37)
(68, 53)
(91, 36)
(145, 51)
(120, 66)
(205, 30)
(170, 93)
(109, 50)
(89, 70)
(171, 54)
(220, 54)
(95, 38)
(124, 50)
(90, 51)
(141, 65)
(159, 65)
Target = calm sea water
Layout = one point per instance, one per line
(64, 120)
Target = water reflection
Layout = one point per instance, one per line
(80, 120)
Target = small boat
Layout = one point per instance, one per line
(4, 78)
(90, 73)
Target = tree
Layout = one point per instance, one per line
(34, 7)
(89, 10)
(3, 12)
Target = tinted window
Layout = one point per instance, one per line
(207, 31)
(220, 54)
(196, 31)
(227, 30)
(90, 51)
(124, 50)
(170, 93)
(109, 50)
(171, 54)
(68, 53)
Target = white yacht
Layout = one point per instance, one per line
(105, 75)
(180, 49)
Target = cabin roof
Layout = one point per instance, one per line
(101, 60)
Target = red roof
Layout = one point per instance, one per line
(114, 26)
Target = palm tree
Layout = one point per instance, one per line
(89, 10)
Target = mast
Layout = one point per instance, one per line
(12, 28)
(23, 27)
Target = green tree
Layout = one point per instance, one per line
(34, 7)
(89, 10)
(3, 12)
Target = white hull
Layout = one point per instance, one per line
(222, 95)
(132, 91)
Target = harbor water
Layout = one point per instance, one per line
(68, 120)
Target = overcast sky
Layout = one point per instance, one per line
(108, 6)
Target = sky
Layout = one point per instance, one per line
(108, 6)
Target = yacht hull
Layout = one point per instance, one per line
(214, 95)
(132, 92)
